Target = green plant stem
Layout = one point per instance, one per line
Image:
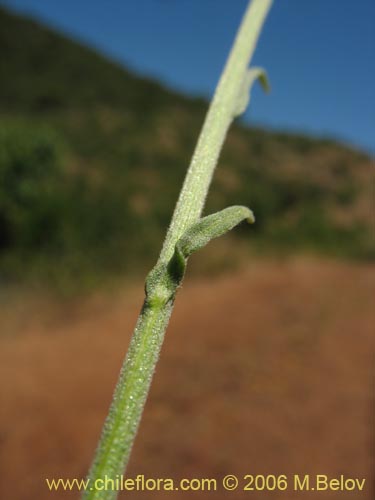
(219, 117)
(135, 378)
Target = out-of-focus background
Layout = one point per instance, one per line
(268, 364)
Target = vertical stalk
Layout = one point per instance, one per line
(218, 119)
(133, 385)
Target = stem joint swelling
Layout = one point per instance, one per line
(159, 287)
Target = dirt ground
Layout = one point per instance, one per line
(268, 371)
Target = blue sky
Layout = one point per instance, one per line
(320, 54)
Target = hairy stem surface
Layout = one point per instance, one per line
(186, 233)
(222, 111)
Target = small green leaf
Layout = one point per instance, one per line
(164, 279)
(212, 226)
(201, 233)
(244, 95)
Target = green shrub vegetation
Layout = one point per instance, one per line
(92, 157)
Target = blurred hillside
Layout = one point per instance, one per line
(92, 158)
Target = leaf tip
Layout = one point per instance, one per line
(243, 99)
(250, 219)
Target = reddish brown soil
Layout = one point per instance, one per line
(267, 371)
